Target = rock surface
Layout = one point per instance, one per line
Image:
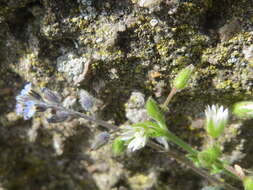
(113, 49)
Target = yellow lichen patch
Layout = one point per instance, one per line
(182, 61)
(162, 48)
(215, 55)
(80, 22)
(190, 6)
(141, 181)
(33, 59)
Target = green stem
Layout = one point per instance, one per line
(228, 170)
(171, 137)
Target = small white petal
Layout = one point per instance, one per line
(163, 141)
(136, 136)
(137, 143)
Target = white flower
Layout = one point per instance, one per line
(136, 136)
(216, 120)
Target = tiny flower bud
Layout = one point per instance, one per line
(41, 107)
(100, 140)
(86, 100)
(50, 96)
(183, 77)
(248, 183)
(216, 120)
(243, 109)
(60, 116)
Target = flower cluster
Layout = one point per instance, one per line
(30, 101)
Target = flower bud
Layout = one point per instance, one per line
(100, 140)
(60, 116)
(86, 100)
(183, 77)
(216, 120)
(248, 183)
(50, 96)
(243, 109)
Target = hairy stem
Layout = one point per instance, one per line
(84, 116)
(181, 159)
(169, 97)
(173, 138)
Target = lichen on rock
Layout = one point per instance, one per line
(72, 66)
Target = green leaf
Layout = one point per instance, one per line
(248, 183)
(152, 129)
(118, 146)
(146, 124)
(154, 112)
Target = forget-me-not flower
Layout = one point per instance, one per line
(27, 102)
(30, 101)
(29, 110)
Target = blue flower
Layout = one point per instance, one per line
(19, 109)
(26, 102)
(25, 94)
(29, 110)
(27, 89)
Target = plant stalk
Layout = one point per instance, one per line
(169, 97)
(181, 159)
